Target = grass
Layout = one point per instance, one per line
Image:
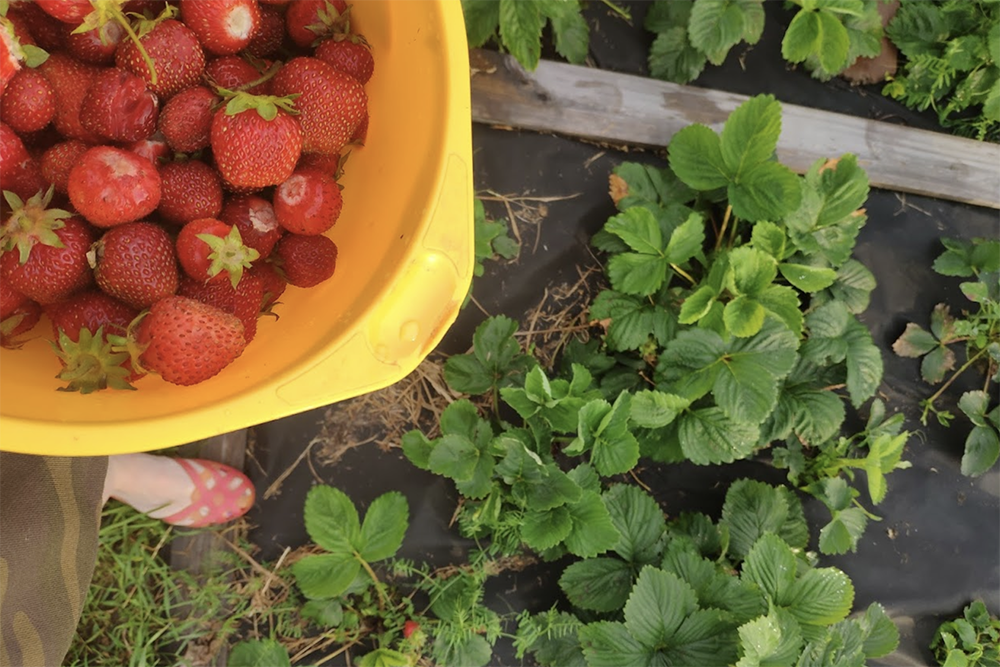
(139, 612)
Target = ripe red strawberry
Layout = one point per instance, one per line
(12, 151)
(308, 203)
(361, 134)
(119, 107)
(186, 120)
(176, 52)
(32, 262)
(244, 301)
(187, 341)
(255, 141)
(91, 309)
(110, 186)
(209, 250)
(67, 11)
(254, 217)
(85, 326)
(97, 45)
(28, 104)
(306, 261)
(266, 42)
(147, 8)
(136, 263)
(191, 190)
(309, 21)
(331, 164)
(70, 81)
(9, 62)
(42, 29)
(18, 321)
(26, 180)
(58, 160)
(10, 299)
(409, 627)
(272, 280)
(18, 26)
(154, 148)
(348, 53)
(331, 104)
(235, 73)
(223, 26)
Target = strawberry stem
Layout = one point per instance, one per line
(107, 11)
(138, 44)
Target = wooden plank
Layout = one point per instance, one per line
(620, 108)
(194, 551)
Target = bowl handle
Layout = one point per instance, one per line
(409, 322)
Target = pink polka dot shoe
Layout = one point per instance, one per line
(221, 494)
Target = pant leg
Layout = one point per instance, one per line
(49, 519)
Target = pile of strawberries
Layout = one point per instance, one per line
(168, 167)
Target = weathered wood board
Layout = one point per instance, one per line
(626, 109)
(193, 551)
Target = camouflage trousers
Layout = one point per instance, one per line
(49, 518)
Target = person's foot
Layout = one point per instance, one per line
(184, 492)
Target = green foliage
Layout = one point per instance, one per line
(979, 329)
(491, 241)
(357, 592)
(496, 360)
(826, 35)
(733, 290)
(970, 641)
(687, 599)
(951, 63)
(517, 26)
(131, 614)
(259, 653)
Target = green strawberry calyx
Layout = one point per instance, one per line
(107, 12)
(31, 222)
(29, 54)
(229, 254)
(91, 363)
(7, 328)
(266, 106)
(129, 344)
(347, 36)
(330, 21)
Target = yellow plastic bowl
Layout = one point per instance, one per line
(405, 240)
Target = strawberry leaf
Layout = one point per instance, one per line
(481, 20)
(34, 56)
(572, 36)
(521, 31)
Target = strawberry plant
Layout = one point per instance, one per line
(734, 300)
(358, 593)
(517, 27)
(492, 241)
(970, 641)
(692, 591)
(979, 329)
(951, 49)
(826, 35)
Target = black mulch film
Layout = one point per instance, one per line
(938, 544)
